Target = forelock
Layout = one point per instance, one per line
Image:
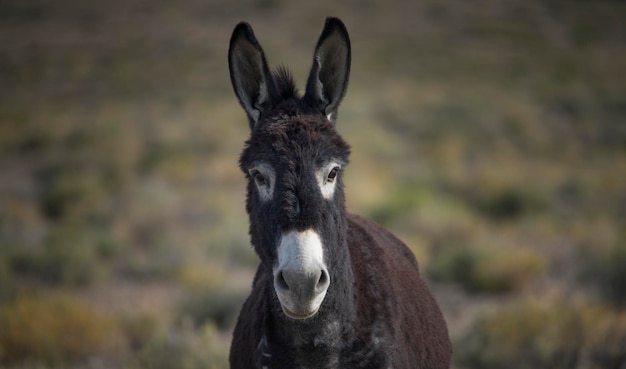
(285, 137)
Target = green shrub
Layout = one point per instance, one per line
(606, 338)
(219, 306)
(139, 330)
(70, 191)
(613, 275)
(402, 200)
(524, 336)
(511, 203)
(606, 270)
(6, 275)
(182, 348)
(202, 275)
(68, 258)
(55, 330)
(551, 334)
(486, 269)
(164, 262)
(452, 263)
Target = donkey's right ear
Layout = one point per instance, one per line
(249, 73)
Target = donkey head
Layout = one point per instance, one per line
(293, 161)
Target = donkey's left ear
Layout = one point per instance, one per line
(330, 72)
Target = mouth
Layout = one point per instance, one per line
(298, 316)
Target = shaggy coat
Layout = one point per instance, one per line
(377, 312)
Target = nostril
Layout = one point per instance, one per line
(323, 281)
(280, 281)
(298, 283)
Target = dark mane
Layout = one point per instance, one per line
(284, 83)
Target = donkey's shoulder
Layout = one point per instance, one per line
(366, 236)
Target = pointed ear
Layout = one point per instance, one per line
(330, 72)
(249, 73)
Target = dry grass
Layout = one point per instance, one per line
(545, 334)
(486, 269)
(57, 330)
(498, 124)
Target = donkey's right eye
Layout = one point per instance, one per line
(264, 180)
(258, 177)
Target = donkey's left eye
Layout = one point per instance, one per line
(332, 175)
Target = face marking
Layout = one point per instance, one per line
(264, 178)
(301, 277)
(302, 250)
(327, 179)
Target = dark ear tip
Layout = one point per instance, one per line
(333, 23)
(332, 20)
(243, 29)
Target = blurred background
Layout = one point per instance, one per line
(490, 135)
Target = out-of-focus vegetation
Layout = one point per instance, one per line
(482, 269)
(553, 334)
(488, 135)
(55, 330)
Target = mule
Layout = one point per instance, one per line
(333, 290)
